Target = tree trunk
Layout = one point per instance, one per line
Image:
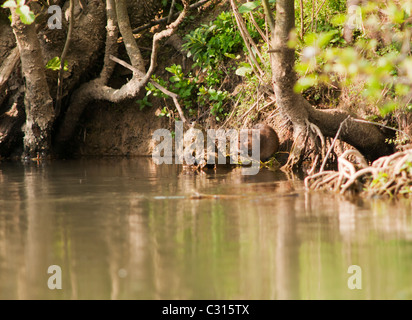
(37, 101)
(349, 27)
(97, 89)
(83, 55)
(367, 138)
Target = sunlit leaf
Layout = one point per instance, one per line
(339, 20)
(310, 39)
(325, 38)
(388, 108)
(26, 16)
(231, 55)
(54, 64)
(402, 89)
(243, 71)
(395, 14)
(407, 6)
(9, 4)
(249, 6)
(305, 83)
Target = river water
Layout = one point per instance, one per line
(130, 229)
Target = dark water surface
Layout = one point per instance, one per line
(128, 229)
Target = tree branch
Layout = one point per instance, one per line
(62, 58)
(165, 20)
(95, 90)
(173, 95)
(247, 38)
(269, 16)
(111, 42)
(7, 68)
(129, 41)
(169, 17)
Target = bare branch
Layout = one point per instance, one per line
(165, 20)
(62, 58)
(269, 16)
(111, 42)
(247, 38)
(95, 90)
(169, 18)
(173, 95)
(129, 41)
(7, 68)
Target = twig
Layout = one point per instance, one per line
(252, 18)
(233, 111)
(164, 20)
(316, 14)
(62, 58)
(312, 16)
(332, 145)
(381, 125)
(173, 95)
(251, 108)
(267, 105)
(269, 15)
(8, 65)
(169, 18)
(302, 23)
(247, 38)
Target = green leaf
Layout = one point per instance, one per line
(230, 55)
(396, 15)
(54, 64)
(325, 38)
(388, 108)
(248, 7)
(305, 83)
(9, 4)
(243, 71)
(26, 16)
(339, 19)
(310, 39)
(402, 89)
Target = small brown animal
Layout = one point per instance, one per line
(269, 141)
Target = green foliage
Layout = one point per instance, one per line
(249, 6)
(165, 112)
(54, 64)
(216, 98)
(144, 102)
(380, 180)
(178, 83)
(211, 44)
(375, 59)
(212, 47)
(25, 14)
(181, 85)
(318, 18)
(407, 166)
(244, 69)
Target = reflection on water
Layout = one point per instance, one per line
(128, 229)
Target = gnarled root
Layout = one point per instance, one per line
(391, 175)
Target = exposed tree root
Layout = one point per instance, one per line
(390, 175)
